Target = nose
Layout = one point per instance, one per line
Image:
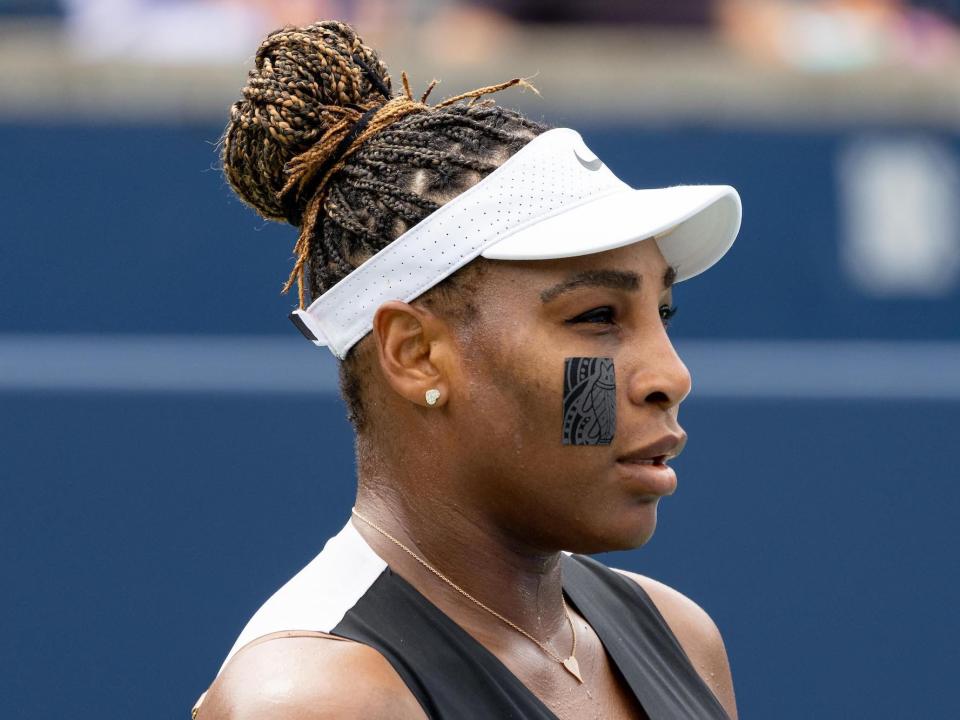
(659, 377)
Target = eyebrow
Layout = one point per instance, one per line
(613, 279)
(669, 277)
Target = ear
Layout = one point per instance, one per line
(413, 348)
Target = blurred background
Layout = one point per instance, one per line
(171, 450)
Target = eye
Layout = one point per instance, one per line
(600, 315)
(666, 313)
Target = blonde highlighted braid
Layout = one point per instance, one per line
(319, 141)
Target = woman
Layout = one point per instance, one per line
(498, 299)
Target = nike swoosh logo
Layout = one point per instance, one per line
(594, 164)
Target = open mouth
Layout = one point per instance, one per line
(656, 460)
(656, 453)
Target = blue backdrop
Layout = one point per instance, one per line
(141, 528)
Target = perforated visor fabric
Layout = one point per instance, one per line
(553, 198)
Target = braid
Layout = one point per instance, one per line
(318, 142)
(302, 77)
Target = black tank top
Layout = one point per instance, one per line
(349, 591)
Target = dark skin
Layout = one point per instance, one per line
(480, 486)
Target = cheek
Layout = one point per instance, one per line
(523, 393)
(516, 398)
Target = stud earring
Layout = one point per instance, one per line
(432, 395)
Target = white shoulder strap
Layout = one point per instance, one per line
(317, 597)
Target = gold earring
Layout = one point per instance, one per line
(432, 395)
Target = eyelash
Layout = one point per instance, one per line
(594, 316)
(666, 314)
(599, 313)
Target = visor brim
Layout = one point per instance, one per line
(694, 226)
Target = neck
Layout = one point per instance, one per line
(484, 560)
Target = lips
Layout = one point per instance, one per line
(657, 452)
(645, 469)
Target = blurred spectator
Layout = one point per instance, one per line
(187, 31)
(946, 8)
(838, 35)
(655, 12)
(812, 35)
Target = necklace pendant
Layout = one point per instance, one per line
(573, 667)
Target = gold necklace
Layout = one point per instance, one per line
(570, 664)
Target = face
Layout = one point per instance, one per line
(533, 316)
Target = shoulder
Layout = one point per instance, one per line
(697, 634)
(308, 676)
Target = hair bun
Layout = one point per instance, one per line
(301, 77)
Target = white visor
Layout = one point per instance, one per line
(552, 199)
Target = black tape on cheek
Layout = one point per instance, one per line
(589, 401)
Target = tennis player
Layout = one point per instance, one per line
(498, 300)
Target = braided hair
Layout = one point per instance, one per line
(320, 142)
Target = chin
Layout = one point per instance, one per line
(627, 529)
